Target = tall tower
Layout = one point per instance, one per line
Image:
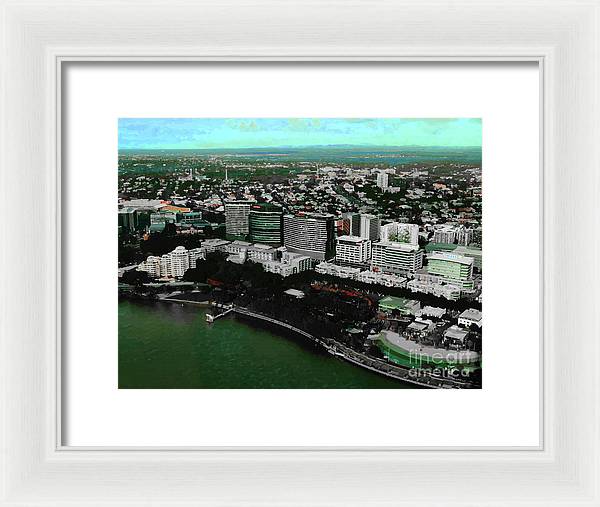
(265, 224)
(310, 234)
(236, 219)
(369, 227)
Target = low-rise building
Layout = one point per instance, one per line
(419, 328)
(298, 294)
(455, 337)
(290, 264)
(433, 311)
(385, 279)
(328, 268)
(403, 306)
(469, 317)
(439, 289)
(214, 245)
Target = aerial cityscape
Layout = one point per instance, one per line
(300, 253)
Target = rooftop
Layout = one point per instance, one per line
(214, 242)
(433, 311)
(444, 256)
(417, 326)
(294, 292)
(407, 247)
(456, 333)
(260, 246)
(351, 239)
(471, 314)
(394, 302)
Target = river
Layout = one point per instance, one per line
(170, 346)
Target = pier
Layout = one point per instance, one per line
(226, 309)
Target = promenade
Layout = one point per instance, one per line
(385, 368)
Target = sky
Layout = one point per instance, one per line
(207, 133)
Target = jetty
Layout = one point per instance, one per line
(220, 311)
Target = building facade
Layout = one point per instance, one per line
(352, 250)
(470, 317)
(237, 219)
(383, 179)
(312, 235)
(392, 257)
(451, 268)
(265, 223)
(369, 227)
(400, 233)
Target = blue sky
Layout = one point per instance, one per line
(206, 133)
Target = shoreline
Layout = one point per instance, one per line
(390, 370)
(394, 371)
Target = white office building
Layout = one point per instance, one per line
(393, 257)
(290, 264)
(352, 250)
(237, 215)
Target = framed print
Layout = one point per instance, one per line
(249, 266)
(214, 315)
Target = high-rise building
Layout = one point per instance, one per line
(369, 227)
(383, 179)
(392, 257)
(464, 235)
(237, 219)
(310, 234)
(151, 266)
(444, 234)
(177, 262)
(351, 224)
(451, 268)
(400, 233)
(266, 224)
(352, 250)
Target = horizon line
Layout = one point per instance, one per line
(306, 146)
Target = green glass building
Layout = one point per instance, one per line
(265, 224)
(454, 269)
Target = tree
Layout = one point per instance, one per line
(135, 277)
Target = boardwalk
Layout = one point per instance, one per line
(359, 359)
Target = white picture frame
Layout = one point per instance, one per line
(562, 37)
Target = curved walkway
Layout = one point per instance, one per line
(362, 360)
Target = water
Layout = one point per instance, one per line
(401, 155)
(170, 346)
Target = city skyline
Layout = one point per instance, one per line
(248, 133)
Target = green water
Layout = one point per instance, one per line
(170, 346)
